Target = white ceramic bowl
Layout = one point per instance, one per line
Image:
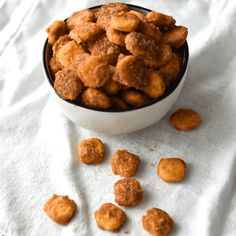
(119, 122)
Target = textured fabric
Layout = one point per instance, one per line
(38, 144)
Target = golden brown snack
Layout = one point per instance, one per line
(108, 10)
(134, 97)
(126, 22)
(141, 45)
(94, 71)
(128, 192)
(155, 86)
(116, 36)
(164, 22)
(118, 103)
(185, 119)
(91, 151)
(54, 68)
(60, 42)
(67, 84)
(170, 70)
(157, 222)
(77, 61)
(131, 71)
(112, 87)
(95, 98)
(55, 30)
(124, 163)
(171, 169)
(176, 36)
(80, 17)
(60, 209)
(67, 53)
(104, 48)
(164, 54)
(140, 15)
(110, 217)
(150, 30)
(85, 31)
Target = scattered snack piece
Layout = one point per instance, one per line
(67, 53)
(116, 36)
(60, 42)
(170, 70)
(185, 119)
(164, 22)
(85, 31)
(157, 222)
(118, 103)
(155, 86)
(126, 22)
(171, 169)
(95, 98)
(150, 30)
(54, 68)
(60, 209)
(112, 87)
(91, 151)
(94, 71)
(124, 163)
(131, 71)
(55, 30)
(67, 84)
(134, 97)
(128, 192)
(176, 36)
(80, 17)
(110, 217)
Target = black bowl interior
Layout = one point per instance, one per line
(47, 53)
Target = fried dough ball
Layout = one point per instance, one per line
(91, 151)
(60, 209)
(80, 17)
(108, 10)
(124, 163)
(85, 31)
(164, 54)
(131, 71)
(116, 36)
(103, 47)
(126, 22)
(128, 192)
(164, 22)
(110, 217)
(150, 30)
(54, 68)
(155, 86)
(118, 103)
(134, 97)
(170, 70)
(185, 119)
(176, 36)
(112, 87)
(157, 222)
(141, 45)
(55, 30)
(140, 15)
(171, 169)
(67, 53)
(77, 61)
(67, 84)
(60, 42)
(94, 71)
(95, 98)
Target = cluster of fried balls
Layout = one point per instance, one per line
(115, 57)
(128, 190)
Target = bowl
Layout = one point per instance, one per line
(124, 121)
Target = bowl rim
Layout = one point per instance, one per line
(169, 91)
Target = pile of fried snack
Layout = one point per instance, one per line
(128, 190)
(115, 57)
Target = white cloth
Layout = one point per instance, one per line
(38, 144)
